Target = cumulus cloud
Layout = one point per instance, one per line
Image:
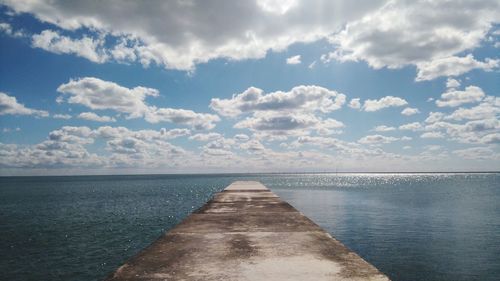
(432, 135)
(383, 33)
(198, 121)
(298, 99)
(410, 111)
(383, 128)
(489, 108)
(85, 47)
(10, 106)
(241, 137)
(327, 142)
(434, 117)
(415, 126)
(98, 94)
(205, 137)
(253, 146)
(69, 147)
(388, 101)
(294, 124)
(427, 34)
(377, 139)
(174, 133)
(63, 147)
(481, 126)
(482, 131)
(156, 34)
(453, 66)
(476, 153)
(62, 116)
(493, 138)
(454, 98)
(91, 116)
(10, 31)
(8, 130)
(452, 83)
(355, 103)
(293, 60)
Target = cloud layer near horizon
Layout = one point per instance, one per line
(297, 121)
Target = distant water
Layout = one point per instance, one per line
(428, 227)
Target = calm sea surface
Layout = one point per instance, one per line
(410, 226)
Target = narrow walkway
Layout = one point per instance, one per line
(247, 232)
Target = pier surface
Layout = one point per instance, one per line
(247, 232)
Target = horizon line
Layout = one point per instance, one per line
(252, 173)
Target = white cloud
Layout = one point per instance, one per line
(355, 103)
(453, 66)
(64, 147)
(383, 128)
(220, 144)
(241, 137)
(477, 131)
(293, 60)
(452, 83)
(107, 132)
(91, 116)
(7, 29)
(476, 153)
(376, 139)
(432, 135)
(62, 116)
(433, 147)
(174, 133)
(383, 33)
(410, 111)
(205, 137)
(253, 146)
(98, 94)
(198, 121)
(123, 52)
(415, 126)
(228, 29)
(305, 99)
(10, 106)
(388, 101)
(421, 33)
(85, 47)
(8, 130)
(453, 97)
(489, 108)
(277, 7)
(493, 138)
(434, 117)
(288, 124)
(127, 148)
(326, 142)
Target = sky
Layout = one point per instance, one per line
(132, 87)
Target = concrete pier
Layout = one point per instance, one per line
(247, 232)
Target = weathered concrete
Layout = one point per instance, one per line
(247, 232)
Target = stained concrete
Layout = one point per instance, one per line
(248, 233)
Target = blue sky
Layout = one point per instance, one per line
(248, 86)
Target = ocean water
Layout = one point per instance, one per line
(428, 227)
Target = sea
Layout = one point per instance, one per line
(412, 227)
